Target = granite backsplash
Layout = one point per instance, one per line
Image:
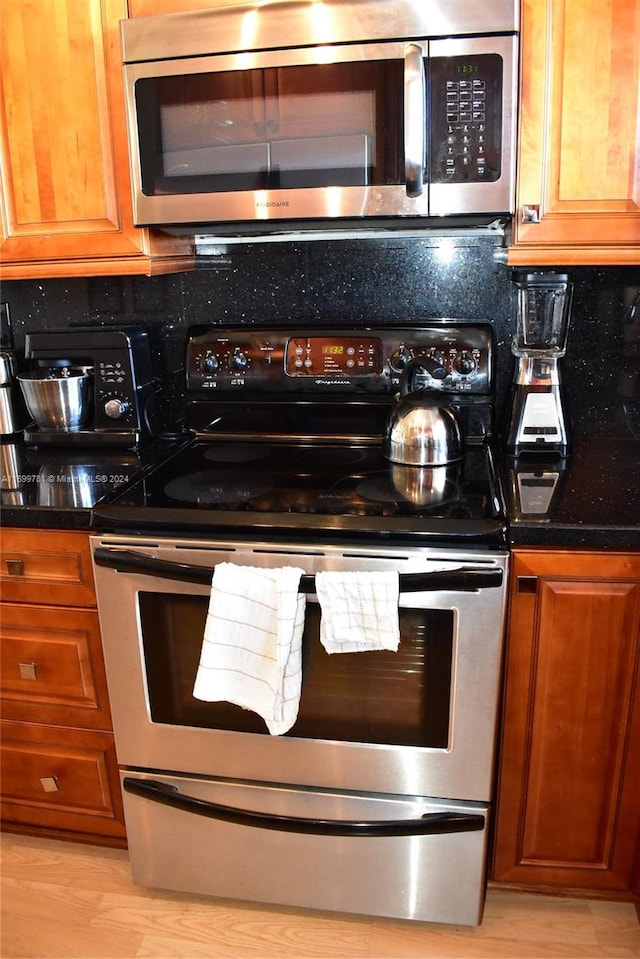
(357, 281)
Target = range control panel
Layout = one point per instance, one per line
(449, 357)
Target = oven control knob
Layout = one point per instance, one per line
(399, 359)
(239, 362)
(115, 408)
(210, 363)
(465, 364)
(435, 366)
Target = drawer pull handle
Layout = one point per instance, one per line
(27, 670)
(50, 784)
(15, 567)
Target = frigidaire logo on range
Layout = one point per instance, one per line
(265, 204)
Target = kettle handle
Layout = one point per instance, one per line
(425, 365)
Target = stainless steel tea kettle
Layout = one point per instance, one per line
(423, 429)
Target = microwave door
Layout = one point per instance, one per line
(319, 133)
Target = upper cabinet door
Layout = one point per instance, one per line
(66, 206)
(579, 142)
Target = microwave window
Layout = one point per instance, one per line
(401, 698)
(278, 128)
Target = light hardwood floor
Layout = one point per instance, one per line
(66, 900)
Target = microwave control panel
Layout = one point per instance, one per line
(466, 118)
(449, 358)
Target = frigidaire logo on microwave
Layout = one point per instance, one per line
(266, 204)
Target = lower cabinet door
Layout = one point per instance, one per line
(568, 812)
(60, 780)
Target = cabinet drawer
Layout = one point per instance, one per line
(60, 779)
(46, 567)
(52, 670)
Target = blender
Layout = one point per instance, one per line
(538, 422)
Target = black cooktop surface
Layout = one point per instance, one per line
(257, 486)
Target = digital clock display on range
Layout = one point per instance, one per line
(333, 356)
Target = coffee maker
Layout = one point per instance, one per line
(538, 419)
(121, 402)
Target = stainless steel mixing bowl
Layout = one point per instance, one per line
(58, 399)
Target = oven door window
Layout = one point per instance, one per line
(288, 127)
(401, 698)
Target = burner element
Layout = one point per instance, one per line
(332, 458)
(418, 485)
(426, 486)
(212, 487)
(235, 453)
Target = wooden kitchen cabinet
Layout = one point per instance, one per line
(59, 768)
(149, 8)
(568, 809)
(65, 195)
(579, 136)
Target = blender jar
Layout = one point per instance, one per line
(544, 305)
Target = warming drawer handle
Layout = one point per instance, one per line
(414, 118)
(126, 561)
(430, 824)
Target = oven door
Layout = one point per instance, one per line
(417, 722)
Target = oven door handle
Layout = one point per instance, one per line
(431, 824)
(127, 561)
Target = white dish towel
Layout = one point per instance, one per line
(359, 611)
(252, 649)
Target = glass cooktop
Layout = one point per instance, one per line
(253, 486)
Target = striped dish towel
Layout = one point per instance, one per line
(359, 611)
(252, 649)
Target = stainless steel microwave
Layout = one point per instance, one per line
(257, 115)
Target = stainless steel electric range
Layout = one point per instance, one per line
(378, 799)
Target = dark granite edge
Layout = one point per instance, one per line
(547, 535)
(555, 536)
(34, 517)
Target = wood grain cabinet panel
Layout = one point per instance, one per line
(59, 767)
(568, 811)
(150, 8)
(46, 567)
(64, 177)
(51, 666)
(63, 781)
(579, 136)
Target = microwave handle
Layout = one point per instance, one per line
(127, 561)
(414, 119)
(430, 824)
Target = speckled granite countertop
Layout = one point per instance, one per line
(591, 500)
(56, 488)
(594, 498)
